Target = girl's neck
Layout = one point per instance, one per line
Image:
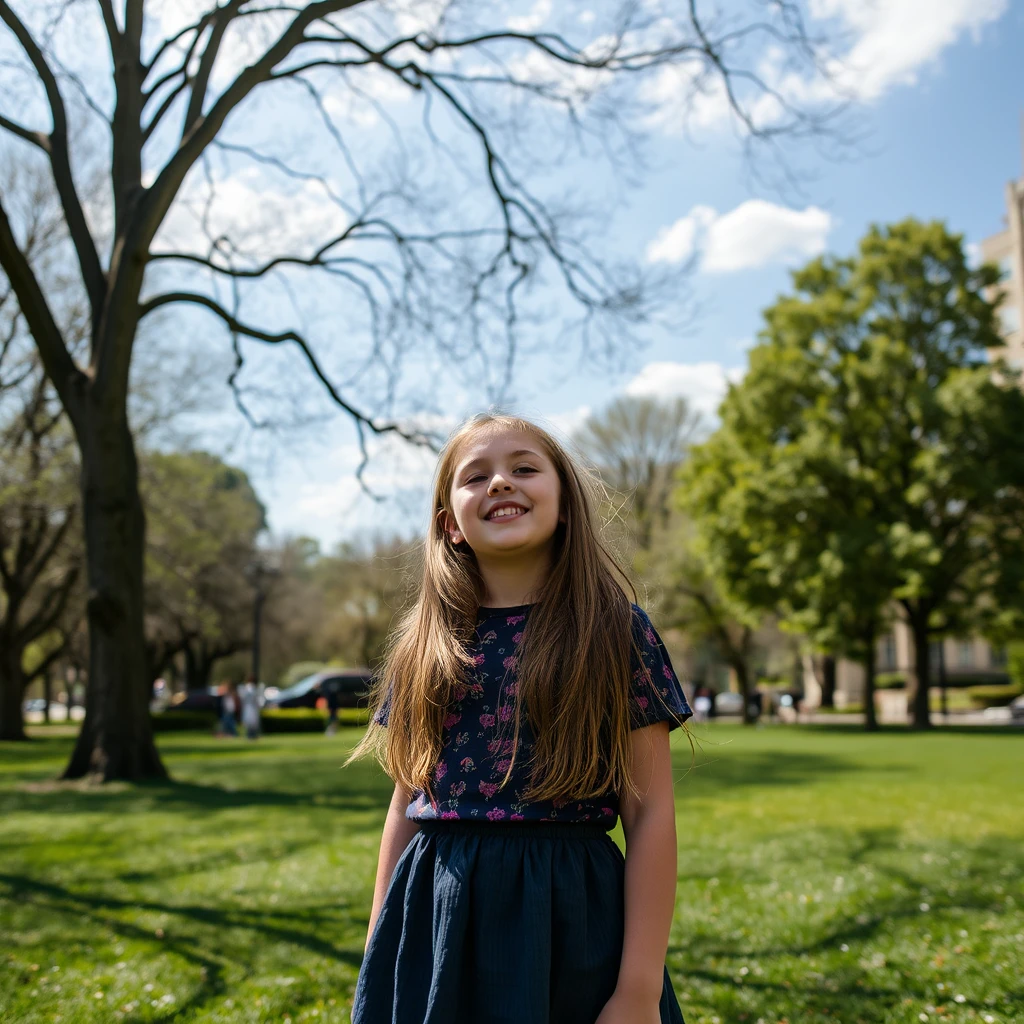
(509, 585)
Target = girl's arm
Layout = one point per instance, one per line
(397, 834)
(649, 824)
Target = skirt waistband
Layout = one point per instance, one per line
(512, 829)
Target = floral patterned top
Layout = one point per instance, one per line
(476, 751)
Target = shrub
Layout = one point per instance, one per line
(293, 720)
(184, 721)
(890, 681)
(994, 696)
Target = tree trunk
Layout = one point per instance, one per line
(198, 665)
(116, 738)
(743, 679)
(828, 681)
(870, 716)
(12, 690)
(922, 671)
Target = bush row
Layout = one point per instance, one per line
(290, 720)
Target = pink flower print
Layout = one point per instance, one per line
(503, 765)
(449, 814)
(517, 817)
(506, 747)
(440, 771)
(460, 692)
(487, 721)
(452, 720)
(666, 671)
(494, 746)
(514, 620)
(467, 765)
(643, 702)
(607, 812)
(476, 689)
(650, 637)
(517, 637)
(511, 661)
(479, 659)
(458, 789)
(488, 789)
(512, 689)
(495, 814)
(505, 713)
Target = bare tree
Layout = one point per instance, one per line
(637, 444)
(406, 272)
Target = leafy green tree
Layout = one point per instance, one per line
(872, 451)
(204, 519)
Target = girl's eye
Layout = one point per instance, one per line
(527, 469)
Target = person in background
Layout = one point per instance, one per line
(229, 710)
(249, 697)
(703, 703)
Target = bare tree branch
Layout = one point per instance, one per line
(60, 163)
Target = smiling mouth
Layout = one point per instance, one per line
(504, 516)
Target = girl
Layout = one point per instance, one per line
(529, 706)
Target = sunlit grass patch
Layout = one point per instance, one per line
(824, 876)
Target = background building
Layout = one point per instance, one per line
(1006, 249)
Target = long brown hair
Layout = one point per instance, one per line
(574, 667)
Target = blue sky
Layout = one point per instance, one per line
(940, 107)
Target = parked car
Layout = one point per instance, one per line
(1017, 710)
(349, 687)
(728, 703)
(196, 700)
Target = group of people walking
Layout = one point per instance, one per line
(241, 702)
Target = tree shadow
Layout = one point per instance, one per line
(843, 986)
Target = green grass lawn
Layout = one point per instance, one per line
(824, 875)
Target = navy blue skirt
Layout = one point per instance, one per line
(499, 923)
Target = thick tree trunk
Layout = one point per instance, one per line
(12, 690)
(922, 672)
(116, 738)
(828, 681)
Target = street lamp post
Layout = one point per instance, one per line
(261, 575)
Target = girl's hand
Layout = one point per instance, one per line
(627, 1008)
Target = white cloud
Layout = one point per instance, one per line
(255, 214)
(755, 234)
(702, 384)
(539, 13)
(894, 39)
(889, 43)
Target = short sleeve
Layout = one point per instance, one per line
(657, 695)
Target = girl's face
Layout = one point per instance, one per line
(505, 494)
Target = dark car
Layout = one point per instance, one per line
(195, 700)
(342, 687)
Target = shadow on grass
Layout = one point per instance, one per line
(200, 933)
(720, 766)
(846, 985)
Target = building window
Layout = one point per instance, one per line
(965, 654)
(887, 653)
(1006, 268)
(1010, 317)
